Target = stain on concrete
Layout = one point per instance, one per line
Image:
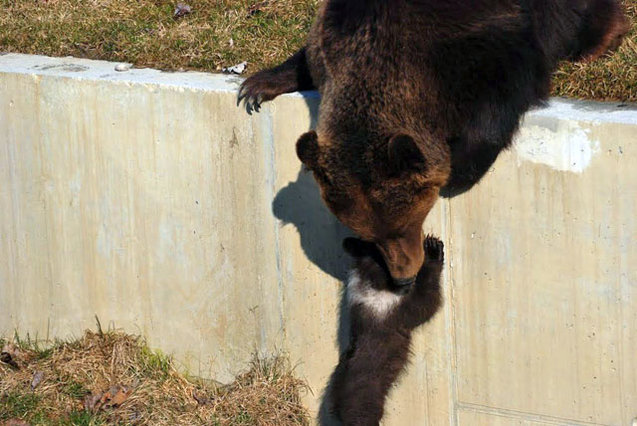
(62, 67)
(234, 142)
(567, 148)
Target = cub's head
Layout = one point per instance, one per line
(370, 267)
(580, 29)
(382, 192)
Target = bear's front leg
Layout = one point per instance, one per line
(290, 76)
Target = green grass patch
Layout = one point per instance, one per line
(24, 406)
(217, 33)
(115, 378)
(42, 349)
(220, 33)
(75, 389)
(155, 362)
(81, 418)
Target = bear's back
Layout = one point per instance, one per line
(429, 66)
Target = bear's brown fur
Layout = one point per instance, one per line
(422, 95)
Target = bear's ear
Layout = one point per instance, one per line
(307, 149)
(358, 248)
(405, 155)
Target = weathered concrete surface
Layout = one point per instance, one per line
(149, 199)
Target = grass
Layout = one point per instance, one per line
(611, 78)
(79, 383)
(220, 33)
(20, 406)
(217, 33)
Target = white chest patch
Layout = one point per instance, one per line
(379, 302)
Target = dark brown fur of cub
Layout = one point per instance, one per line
(382, 320)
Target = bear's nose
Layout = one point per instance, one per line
(404, 282)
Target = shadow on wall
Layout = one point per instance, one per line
(300, 204)
(322, 235)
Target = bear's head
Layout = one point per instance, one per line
(579, 29)
(382, 193)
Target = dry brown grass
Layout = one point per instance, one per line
(219, 33)
(76, 374)
(611, 78)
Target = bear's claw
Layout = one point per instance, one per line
(261, 87)
(434, 249)
(250, 96)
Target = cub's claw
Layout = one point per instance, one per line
(434, 249)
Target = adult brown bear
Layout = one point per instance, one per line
(422, 95)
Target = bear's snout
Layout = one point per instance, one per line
(403, 256)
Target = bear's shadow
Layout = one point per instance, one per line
(300, 204)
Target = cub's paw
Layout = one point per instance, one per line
(434, 249)
(259, 88)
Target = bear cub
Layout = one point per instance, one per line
(382, 317)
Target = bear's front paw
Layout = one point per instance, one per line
(434, 249)
(257, 89)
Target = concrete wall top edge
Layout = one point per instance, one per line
(589, 111)
(87, 69)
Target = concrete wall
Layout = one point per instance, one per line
(149, 199)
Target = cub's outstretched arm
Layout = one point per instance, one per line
(426, 297)
(290, 76)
